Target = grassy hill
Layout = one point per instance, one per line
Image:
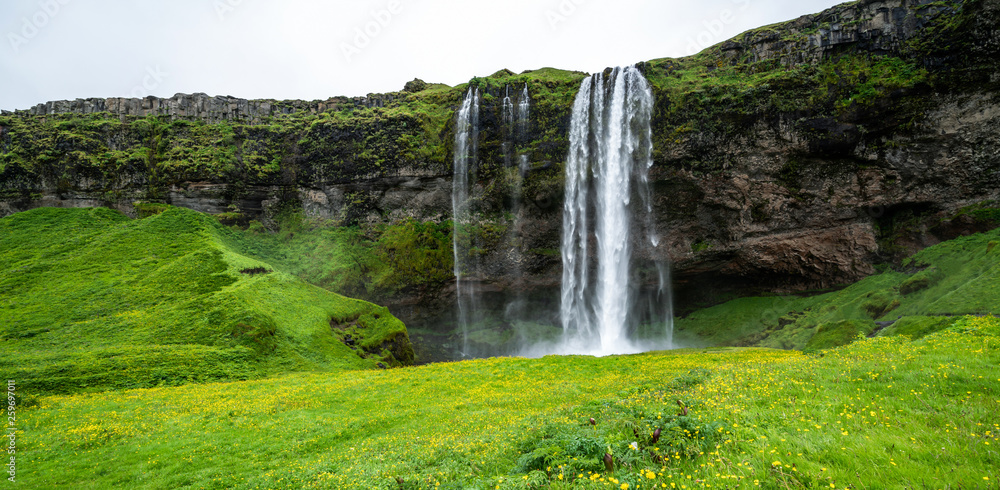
(958, 277)
(879, 413)
(93, 300)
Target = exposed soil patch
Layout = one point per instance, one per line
(879, 326)
(344, 324)
(255, 271)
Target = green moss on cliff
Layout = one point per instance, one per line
(374, 261)
(854, 95)
(707, 98)
(129, 158)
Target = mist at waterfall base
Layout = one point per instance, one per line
(614, 298)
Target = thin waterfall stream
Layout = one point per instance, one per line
(466, 149)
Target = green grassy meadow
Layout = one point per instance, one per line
(173, 352)
(878, 413)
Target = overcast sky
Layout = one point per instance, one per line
(311, 49)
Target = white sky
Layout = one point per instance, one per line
(295, 49)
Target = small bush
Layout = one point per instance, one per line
(830, 335)
(917, 326)
(920, 281)
(147, 209)
(878, 304)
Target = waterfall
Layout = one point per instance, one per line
(507, 116)
(508, 108)
(607, 167)
(523, 114)
(516, 124)
(466, 147)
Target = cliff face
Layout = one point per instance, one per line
(795, 156)
(204, 107)
(785, 183)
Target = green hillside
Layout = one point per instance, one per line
(93, 300)
(958, 277)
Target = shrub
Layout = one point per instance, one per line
(917, 326)
(878, 304)
(830, 335)
(920, 281)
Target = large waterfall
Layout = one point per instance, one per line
(615, 296)
(606, 181)
(466, 148)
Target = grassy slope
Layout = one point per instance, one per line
(373, 262)
(881, 413)
(958, 277)
(94, 300)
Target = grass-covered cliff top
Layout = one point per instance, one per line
(93, 300)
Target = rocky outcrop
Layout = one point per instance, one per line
(202, 107)
(881, 27)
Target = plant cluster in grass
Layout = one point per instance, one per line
(94, 300)
(958, 277)
(877, 413)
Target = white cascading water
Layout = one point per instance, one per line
(516, 124)
(608, 163)
(466, 148)
(523, 111)
(508, 108)
(508, 115)
(523, 114)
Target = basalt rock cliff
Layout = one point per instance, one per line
(792, 157)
